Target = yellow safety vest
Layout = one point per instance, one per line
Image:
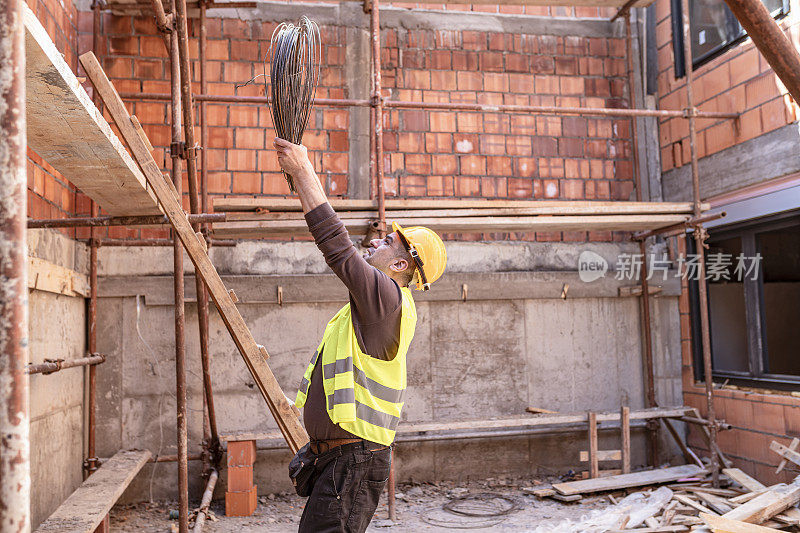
(364, 394)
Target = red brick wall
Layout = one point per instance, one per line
(739, 80)
(426, 153)
(49, 194)
(757, 417)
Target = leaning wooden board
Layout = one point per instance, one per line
(256, 362)
(637, 479)
(85, 508)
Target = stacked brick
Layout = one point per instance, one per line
(241, 498)
(739, 80)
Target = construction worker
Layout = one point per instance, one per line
(352, 391)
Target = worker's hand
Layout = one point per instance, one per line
(293, 158)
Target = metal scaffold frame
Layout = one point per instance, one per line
(173, 28)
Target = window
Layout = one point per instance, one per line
(713, 27)
(753, 303)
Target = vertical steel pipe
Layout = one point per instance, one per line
(377, 103)
(392, 486)
(771, 41)
(212, 439)
(699, 236)
(180, 319)
(644, 302)
(90, 464)
(186, 100)
(15, 475)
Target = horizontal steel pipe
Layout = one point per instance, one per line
(454, 106)
(239, 99)
(151, 242)
(48, 367)
(146, 220)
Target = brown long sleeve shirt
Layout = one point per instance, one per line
(376, 304)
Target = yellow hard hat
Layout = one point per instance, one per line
(427, 251)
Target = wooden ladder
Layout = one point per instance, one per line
(255, 356)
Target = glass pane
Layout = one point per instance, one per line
(780, 252)
(726, 308)
(713, 26)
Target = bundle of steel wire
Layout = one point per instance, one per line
(294, 54)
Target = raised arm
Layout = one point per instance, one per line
(374, 293)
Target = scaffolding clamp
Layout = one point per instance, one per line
(178, 149)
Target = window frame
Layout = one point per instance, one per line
(757, 345)
(678, 43)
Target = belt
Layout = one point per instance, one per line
(324, 446)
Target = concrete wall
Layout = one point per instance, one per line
(493, 355)
(57, 326)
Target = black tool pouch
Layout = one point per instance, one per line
(301, 471)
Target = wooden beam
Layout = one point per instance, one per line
(786, 452)
(720, 524)
(602, 455)
(593, 459)
(46, 276)
(67, 130)
(256, 363)
(499, 423)
(531, 207)
(625, 431)
(743, 479)
(85, 508)
(767, 505)
(271, 228)
(636, 479)
(691, 503)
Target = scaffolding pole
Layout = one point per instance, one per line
(14, 403)
(376, 157)
(180, 318)
(699, 237)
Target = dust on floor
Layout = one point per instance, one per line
(419, 508)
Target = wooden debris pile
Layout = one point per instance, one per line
(741, 504)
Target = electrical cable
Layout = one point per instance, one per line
(295, 53)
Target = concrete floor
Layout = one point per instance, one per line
(419, 508)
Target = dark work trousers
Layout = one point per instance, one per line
(346, 489)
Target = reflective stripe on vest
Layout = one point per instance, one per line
(364, 395)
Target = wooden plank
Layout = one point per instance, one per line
(714, 502)
(67, 130)
(271, 228)
(594, 467)
(688, 454)
(636, 479)
(743, 479)
(500, 423)
(256, 363)
(85, 508)
(767, 505)
(602, 455)
(536, 207)
(46, 276)
(793, 447)
(691, 503)
(625, 430)
(721, 524)
(785, 452)
(539, 411)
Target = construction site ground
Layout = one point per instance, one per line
(419, 508)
